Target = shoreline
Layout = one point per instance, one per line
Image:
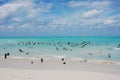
(49, 58)
(54, 69)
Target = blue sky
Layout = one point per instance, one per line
(59, 18)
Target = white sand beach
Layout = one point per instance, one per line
(54, 69)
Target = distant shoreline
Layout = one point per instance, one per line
(52, 36)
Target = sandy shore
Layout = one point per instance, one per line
(54, 69)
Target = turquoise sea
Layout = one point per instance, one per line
(99, 48)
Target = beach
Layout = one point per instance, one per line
(59, 40)
(60, 58)
(54, 69)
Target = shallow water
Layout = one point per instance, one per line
(103, 48)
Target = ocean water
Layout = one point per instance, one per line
(99, 48)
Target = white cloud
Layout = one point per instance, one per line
(92, 13)
(101, 3)
(27, 16)
(77, 4)
(22, 13)
(112, 21)
(12, 7)
(90, 4)
(26, 5)
(7, 9)
(76, 21)
(10, 27)
(108, 22)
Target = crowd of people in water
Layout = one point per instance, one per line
(58, 46)
(66, 46)
(71, 44)
(59, 43)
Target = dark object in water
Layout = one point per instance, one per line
(7, 54)
(34, 43)
(27, 53)
(109, 55)
(68, 43)
(60, 44)
(83, 45)
(21, 50)
(57, 48)
(118, 46)
(64, 48)
(72, 44)
(41, 59)
(38, 43)
(63, 59)
(90, 53)
(29, 43)
(31, 62)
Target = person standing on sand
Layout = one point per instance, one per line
(41, 59)
(63, 59)
(6, 54)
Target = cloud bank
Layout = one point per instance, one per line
(38, 16)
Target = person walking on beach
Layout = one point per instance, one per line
(41, 59)
(63, 59)
(6, 54)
